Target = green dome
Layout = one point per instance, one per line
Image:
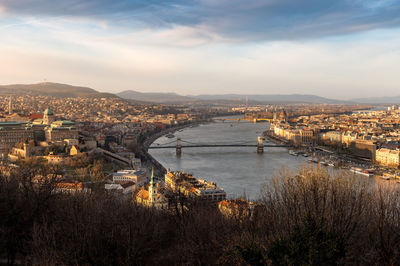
(48, 112)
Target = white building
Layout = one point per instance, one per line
(136, 176)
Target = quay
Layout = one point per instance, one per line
(249, 120)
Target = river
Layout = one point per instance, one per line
(239, 170)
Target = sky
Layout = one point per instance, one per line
(333, 48)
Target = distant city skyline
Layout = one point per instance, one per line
(337, 49)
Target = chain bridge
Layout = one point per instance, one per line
(180, 144)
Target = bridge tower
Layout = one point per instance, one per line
(178, 146)
(260, 145)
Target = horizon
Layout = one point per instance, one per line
(198, 95)
(333, 49)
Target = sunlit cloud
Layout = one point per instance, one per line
(240, 19)
(339, 49)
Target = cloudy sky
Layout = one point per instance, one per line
(333, 48)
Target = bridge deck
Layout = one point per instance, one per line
(216, 145)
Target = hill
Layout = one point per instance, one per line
(272, 98)
(157, 97)
(53, 89)
(379, 100)
(262, 98)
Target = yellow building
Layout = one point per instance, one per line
(151, 197)
(238, 208)
(195, 188)
(387, 157)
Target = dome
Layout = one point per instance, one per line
(48, 112)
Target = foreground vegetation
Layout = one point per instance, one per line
(308, 218)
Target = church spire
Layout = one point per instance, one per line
(152, 176)
(152, 188)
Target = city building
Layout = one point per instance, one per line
(363, 148)
(136, 176)
(61, 130)
(193, 188)
(388, 157)
(70, 187)
(12, 133)
(237, 208)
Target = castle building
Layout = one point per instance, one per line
(55, 131)
(61, 130)
(48, 116)
(13, 132)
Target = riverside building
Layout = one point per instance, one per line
(186, 184)
(388, 157)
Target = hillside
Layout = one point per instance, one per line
(272, 98)
(379, 100)
(262, 98)
(52, 89)
(157, 97)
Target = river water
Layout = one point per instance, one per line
(239, 170)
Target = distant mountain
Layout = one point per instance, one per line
(157, 97)
(53, 89)
(263, 98)
(379, 100)
(272, 98)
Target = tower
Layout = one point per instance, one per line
(178, 146)
(48, 116)
(10, 106)
(260, 145)
(152, 189)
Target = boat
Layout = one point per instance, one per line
(170, 136)
(387, 176)
(331, 164)
(293, 153)
(306, 154)
(360, 171)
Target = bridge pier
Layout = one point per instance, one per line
(260, 145)
(178, 146)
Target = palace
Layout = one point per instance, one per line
(13, 132)
(55, 131)
(46, 129)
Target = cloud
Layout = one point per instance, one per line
(241, 20)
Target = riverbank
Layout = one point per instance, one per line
(326, 154)
(148, 160)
